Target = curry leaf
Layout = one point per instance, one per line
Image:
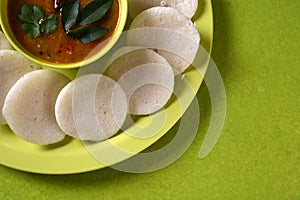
(94, 11)
(87, 34)
(49, 25)
(70, 14)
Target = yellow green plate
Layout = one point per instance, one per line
(71, 156)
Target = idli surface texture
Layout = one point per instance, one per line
(173, 22)
(186, 7)
(4, 44)
(13, 66)
(29, 106)
(146, 77)
(92, 107)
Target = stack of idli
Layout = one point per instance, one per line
(162, 42)
(138, 79)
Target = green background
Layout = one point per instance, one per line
(256, 48)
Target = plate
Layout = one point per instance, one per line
(71, 155)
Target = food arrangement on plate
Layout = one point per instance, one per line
(41, 105)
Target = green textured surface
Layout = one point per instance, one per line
(256, 47)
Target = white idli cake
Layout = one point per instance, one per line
(12, 67)
(170, 19)
(126, 58)
(4, 44)
(148, 87)
(186, 7)
(92, 107)
(146, 77)
(29, 106)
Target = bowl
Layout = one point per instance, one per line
(106, 46)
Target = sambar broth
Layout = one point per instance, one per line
(57, 47)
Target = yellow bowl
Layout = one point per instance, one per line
(123, 7)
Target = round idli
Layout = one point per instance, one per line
(146, 77)
(128, 57)
(12, 67)
(160, 18)
(4, 44)
(186, 7)
(92, 107)
(29, 106)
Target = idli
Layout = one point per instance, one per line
(128, 57)
(186, 7)
(4, 44)
(160, 18)
(12, 67)
(146, 77)
(92, 107)
(29, 106)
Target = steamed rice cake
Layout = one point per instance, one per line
(172, 20)
(145, 76)
(29, 106)
(91, 107)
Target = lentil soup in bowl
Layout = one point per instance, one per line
(63, 33)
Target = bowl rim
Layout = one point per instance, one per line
(123, 13)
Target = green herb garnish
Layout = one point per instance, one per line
(87, 34)
(34, 22)
(94, 11)
(79, 25)
(49, 24)
(85, 30)
(69, 14)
